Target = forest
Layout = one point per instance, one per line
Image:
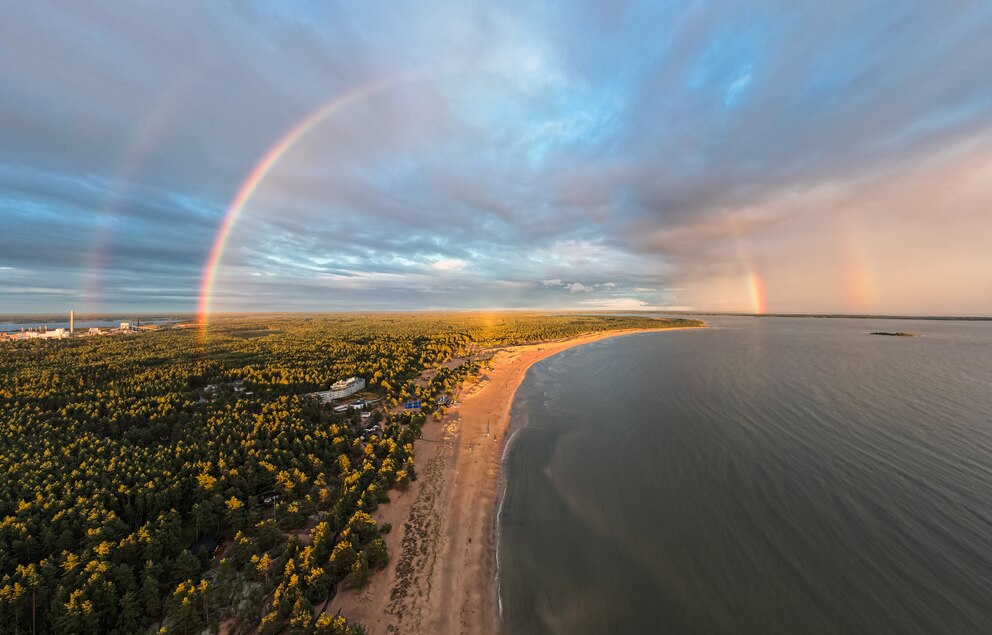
(141, 492)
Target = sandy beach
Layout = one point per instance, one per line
(441, 573)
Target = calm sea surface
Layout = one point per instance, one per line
(771, 475)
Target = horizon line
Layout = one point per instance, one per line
(193, 314)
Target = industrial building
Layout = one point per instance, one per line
(43, 332)
(56, 334)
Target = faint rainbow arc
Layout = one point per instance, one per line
(860, 281)
(755, 284)
(757, 287)
(261, 170)
(150, 129)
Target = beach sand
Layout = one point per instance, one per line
(441, 574)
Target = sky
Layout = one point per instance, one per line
(302, 156)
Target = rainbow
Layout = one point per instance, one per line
(152, 126)
(857, 261)
(756, 286)
(258, 174)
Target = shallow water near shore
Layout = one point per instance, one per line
(772, 475)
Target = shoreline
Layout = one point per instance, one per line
(442, 573)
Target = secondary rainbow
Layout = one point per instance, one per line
(759, 305)
(755, 284)
(151, 128)
(258, 174)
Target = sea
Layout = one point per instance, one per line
(766, 475)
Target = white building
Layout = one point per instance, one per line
(54, 334)
(125, 326)
(346, 387)
(340, 389)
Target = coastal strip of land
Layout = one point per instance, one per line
(441, 574)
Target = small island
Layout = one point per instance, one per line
(896, 334)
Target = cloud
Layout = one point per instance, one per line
(606, 153)
(618, 304)
(449, 264)
(873, 247)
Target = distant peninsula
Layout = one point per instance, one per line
(896, 334)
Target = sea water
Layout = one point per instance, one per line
(768, 475)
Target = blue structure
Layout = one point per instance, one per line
(412, 404)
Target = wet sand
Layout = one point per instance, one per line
(441, 574)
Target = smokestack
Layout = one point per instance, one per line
(72, 321)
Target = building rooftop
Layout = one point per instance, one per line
(341, 384)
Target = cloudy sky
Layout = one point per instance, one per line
(752, 156)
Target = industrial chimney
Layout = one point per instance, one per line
(72, 321)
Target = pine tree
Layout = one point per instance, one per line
(360, 571)
(131, 613)
(150, 597)
(301, 617)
